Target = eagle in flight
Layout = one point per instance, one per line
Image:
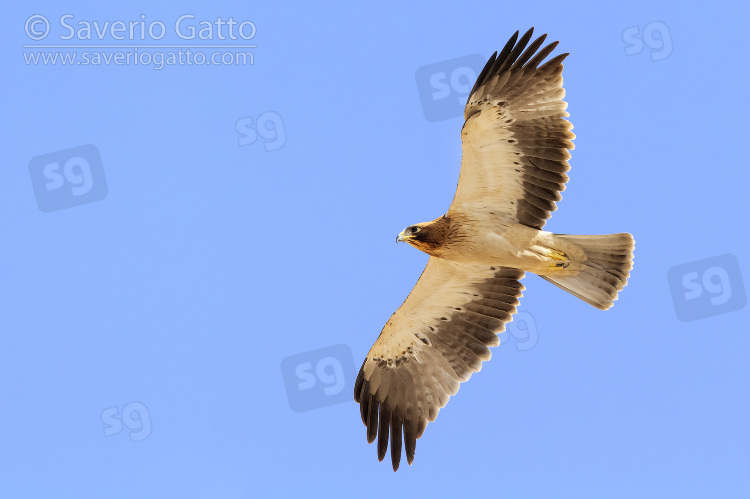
(515, 155)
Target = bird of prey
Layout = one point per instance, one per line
(515, 155)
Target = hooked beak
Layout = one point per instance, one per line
(402, 237)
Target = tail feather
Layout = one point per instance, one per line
(606, 268)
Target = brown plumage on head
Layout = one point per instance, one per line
(429, 237)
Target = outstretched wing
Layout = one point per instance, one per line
(515, 140)
(435, 340)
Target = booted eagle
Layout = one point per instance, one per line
(515, 155)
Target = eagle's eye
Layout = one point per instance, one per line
(414, 230)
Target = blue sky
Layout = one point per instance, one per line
(197, 258)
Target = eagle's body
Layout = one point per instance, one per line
(515, 159)
(482, 240)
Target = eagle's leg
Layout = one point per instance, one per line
(561, 259)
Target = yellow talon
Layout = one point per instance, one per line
(556, 255)
(564, 262)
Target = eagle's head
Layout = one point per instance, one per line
(412, 234)
(427, 236)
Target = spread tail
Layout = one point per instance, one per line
(606, 267)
